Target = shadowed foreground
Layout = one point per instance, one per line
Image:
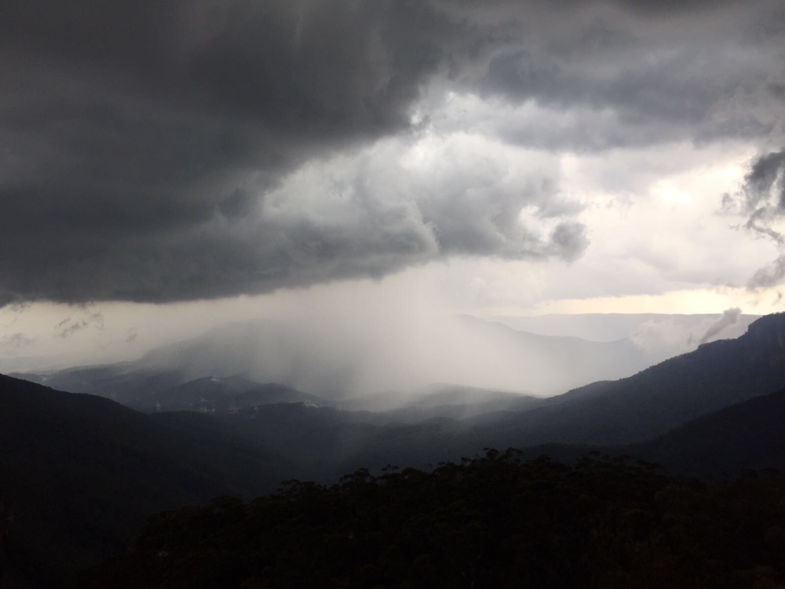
(496, 521)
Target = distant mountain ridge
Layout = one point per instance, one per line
(456, 421)
(223, 395)
(264, 352)
(619, 413)
(651, 402)
(612, 414)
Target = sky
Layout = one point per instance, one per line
(167, 166)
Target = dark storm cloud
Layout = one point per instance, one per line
(770, 275)
(139, 141)
(764, 186)
(124, 127)
(644, 73)
(70, 325)
(762, 199)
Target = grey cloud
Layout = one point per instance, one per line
(366, 215)
(605, 75)
(125, 128)
(665, 7)
(762, 198)
(68, 327)
(728, 318)
(770, 275)
(306, 66)
(570, 240)
(636, 80)
(15, 341)
(140, 142)
(678, 95)
(764, 182)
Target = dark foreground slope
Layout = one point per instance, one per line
(496, 521)
(748, 435)
(724, 444)
(78, 474)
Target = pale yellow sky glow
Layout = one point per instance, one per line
(696, 301)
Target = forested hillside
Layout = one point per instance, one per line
(496, 521)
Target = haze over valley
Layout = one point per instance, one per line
(382, 365)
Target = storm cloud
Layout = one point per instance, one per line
(762, 199)
(169, 150)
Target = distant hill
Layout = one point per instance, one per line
(163, 389)
(550, 364)
(748, 435)
(223, 395)
(80, 473)
(453, 401)
(127, 383)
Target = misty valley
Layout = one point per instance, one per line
(186, 468)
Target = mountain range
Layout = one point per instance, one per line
(80, 472)
(265, 352)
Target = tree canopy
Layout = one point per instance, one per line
(494, 521)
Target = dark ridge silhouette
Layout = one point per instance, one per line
(748, 435)
(80, 473)
(720, 445)
(125, 382)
